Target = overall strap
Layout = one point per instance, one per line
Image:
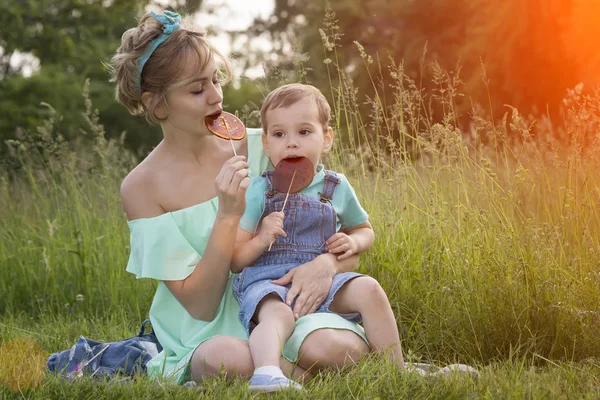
(269, 175)
(331, 182)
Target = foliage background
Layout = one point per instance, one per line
(533, 51)
(465, 131)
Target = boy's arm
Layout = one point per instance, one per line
(354, 240)
(363, 234)
(248, 249)
(356, 235)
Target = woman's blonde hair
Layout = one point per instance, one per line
(163, 69)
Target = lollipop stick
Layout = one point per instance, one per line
(229, 134)
(285, 201)
(288, 191)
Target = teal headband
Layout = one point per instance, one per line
(170, 22)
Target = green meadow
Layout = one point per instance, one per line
(487, 244)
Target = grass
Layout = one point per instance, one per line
(487, 245)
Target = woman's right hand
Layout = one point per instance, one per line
(231, 184)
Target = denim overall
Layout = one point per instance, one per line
(308, 223)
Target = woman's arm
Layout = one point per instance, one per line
(311, 281)
(201, 292)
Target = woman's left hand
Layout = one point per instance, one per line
(311, 283)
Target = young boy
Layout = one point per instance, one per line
(324, 217)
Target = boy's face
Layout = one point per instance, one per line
(295, 131)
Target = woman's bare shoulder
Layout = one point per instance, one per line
(138, 193)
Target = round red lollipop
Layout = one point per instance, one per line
(226, 126)
(291, 175)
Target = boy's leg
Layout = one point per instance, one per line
(275, 325)
(365, 295)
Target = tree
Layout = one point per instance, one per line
(71, 38)
(522, 44)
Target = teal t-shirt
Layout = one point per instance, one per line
(348, 210)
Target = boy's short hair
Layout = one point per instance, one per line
(287, 95)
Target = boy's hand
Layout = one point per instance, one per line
(341, 243)
(271, 228)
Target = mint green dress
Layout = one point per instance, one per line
(168, 247)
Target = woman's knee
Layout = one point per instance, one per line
(325, 348)
(221, 354)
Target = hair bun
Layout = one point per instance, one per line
(164, 65)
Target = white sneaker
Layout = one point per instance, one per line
(260, 383)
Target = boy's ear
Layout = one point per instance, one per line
(263, 137)
(327, 139)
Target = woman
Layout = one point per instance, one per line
(184, 202)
